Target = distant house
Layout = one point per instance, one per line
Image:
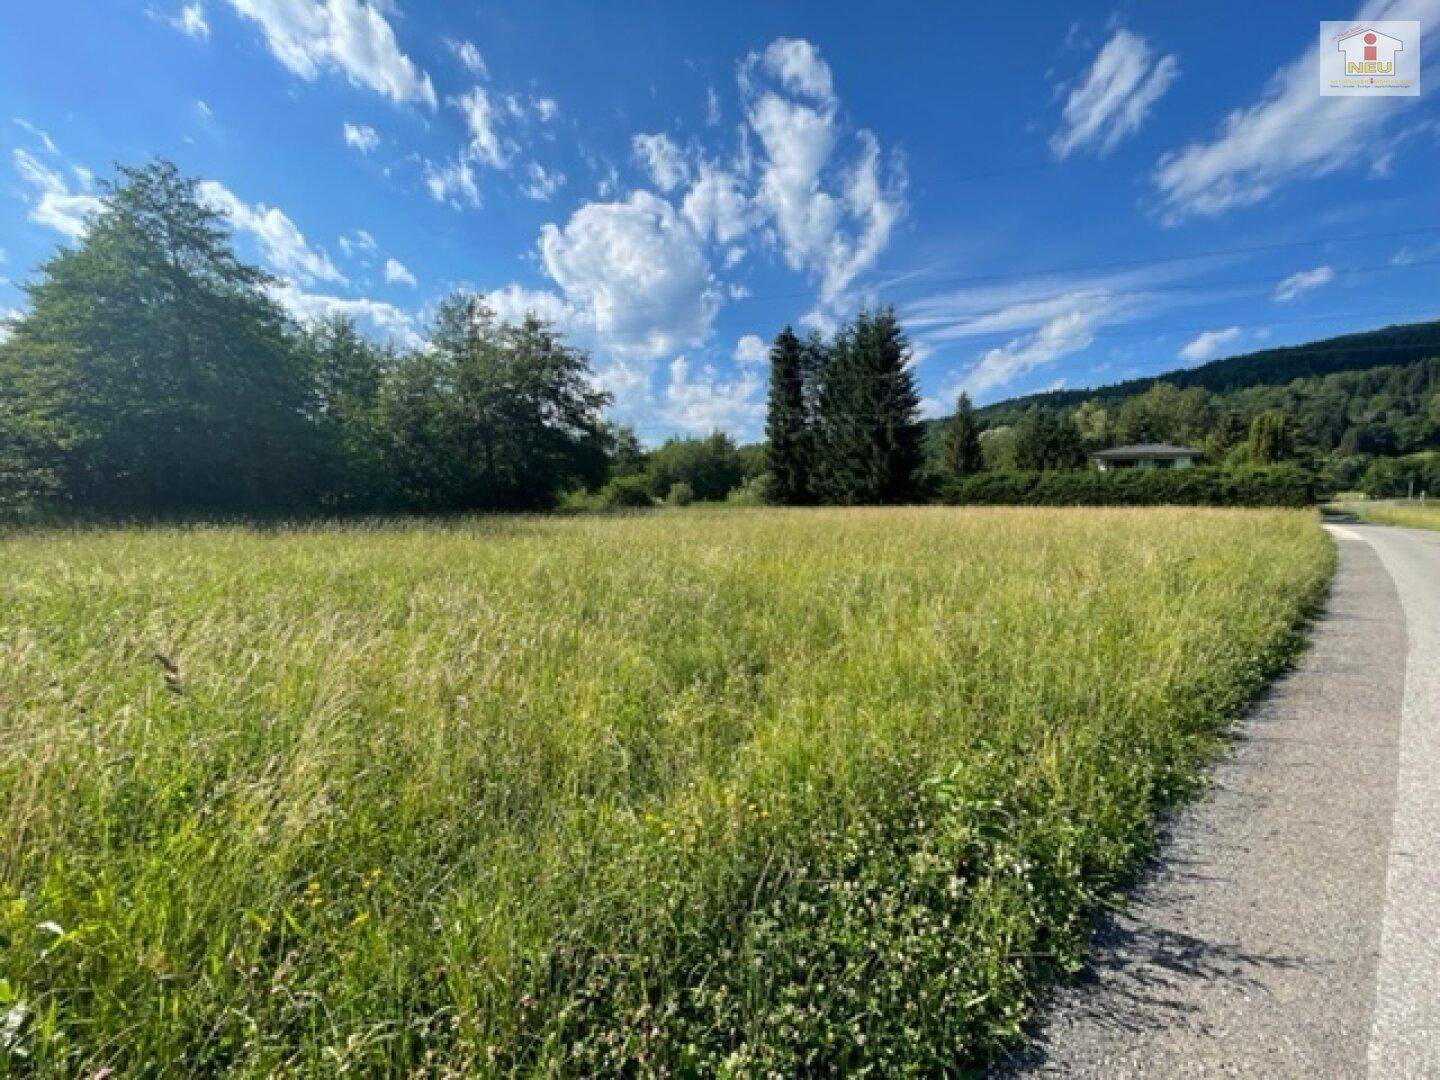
(1145, 456)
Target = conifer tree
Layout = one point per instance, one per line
(962, 440)
(868, 433)
(787, 426)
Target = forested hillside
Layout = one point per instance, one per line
(1376, 429)
(1387, 347)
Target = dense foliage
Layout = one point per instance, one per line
(701, 793)
(711, 467)
(843, 416)
(155, 374)
(152, 370)
(491, 416)
(1416, 475)
(789, 419)
(961, 453)
(1280, 485)
(1367, 430)
(1046, 440)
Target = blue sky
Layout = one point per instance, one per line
(1067, 196)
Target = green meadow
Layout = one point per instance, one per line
(693, 792)
(1407, 514)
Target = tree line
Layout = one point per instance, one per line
(1390, 346)
(1342, 426)
(155, 373)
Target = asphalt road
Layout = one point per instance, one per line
(1291, 926)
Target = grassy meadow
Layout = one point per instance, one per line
(1409, 515)
(691, 792)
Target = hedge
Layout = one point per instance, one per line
(1275, 485)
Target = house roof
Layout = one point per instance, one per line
(1367, 30)
(1146, 451)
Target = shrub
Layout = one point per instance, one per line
(1278, 485)
(680, 494)
(626, 493)
(757, 491)
(711, 466)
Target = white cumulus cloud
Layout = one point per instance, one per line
(1302, 282)
(349, 36)
(514, 304)
(637, 273)
(833, 234)
(700, 399)
(191, 21)
(541, 183)
(664, 161)
(716, 206)
(1210, 343)
(798, 66)
(631, 283)
(632, 280)
(375, 316)
(396, 273)
(54, 203)
(282, 245)
(1115, 96)
(751, 349)
(361, 137)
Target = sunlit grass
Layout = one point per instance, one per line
(1410, 515)
(742, 790)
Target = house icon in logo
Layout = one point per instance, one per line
(1369, 52)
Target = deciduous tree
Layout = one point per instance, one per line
(153, 372)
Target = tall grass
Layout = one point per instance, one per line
(695, 791)
(1410, 515)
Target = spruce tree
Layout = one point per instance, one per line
(870, 448)
(787, 427)
(962, 440)
(1045, 440)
